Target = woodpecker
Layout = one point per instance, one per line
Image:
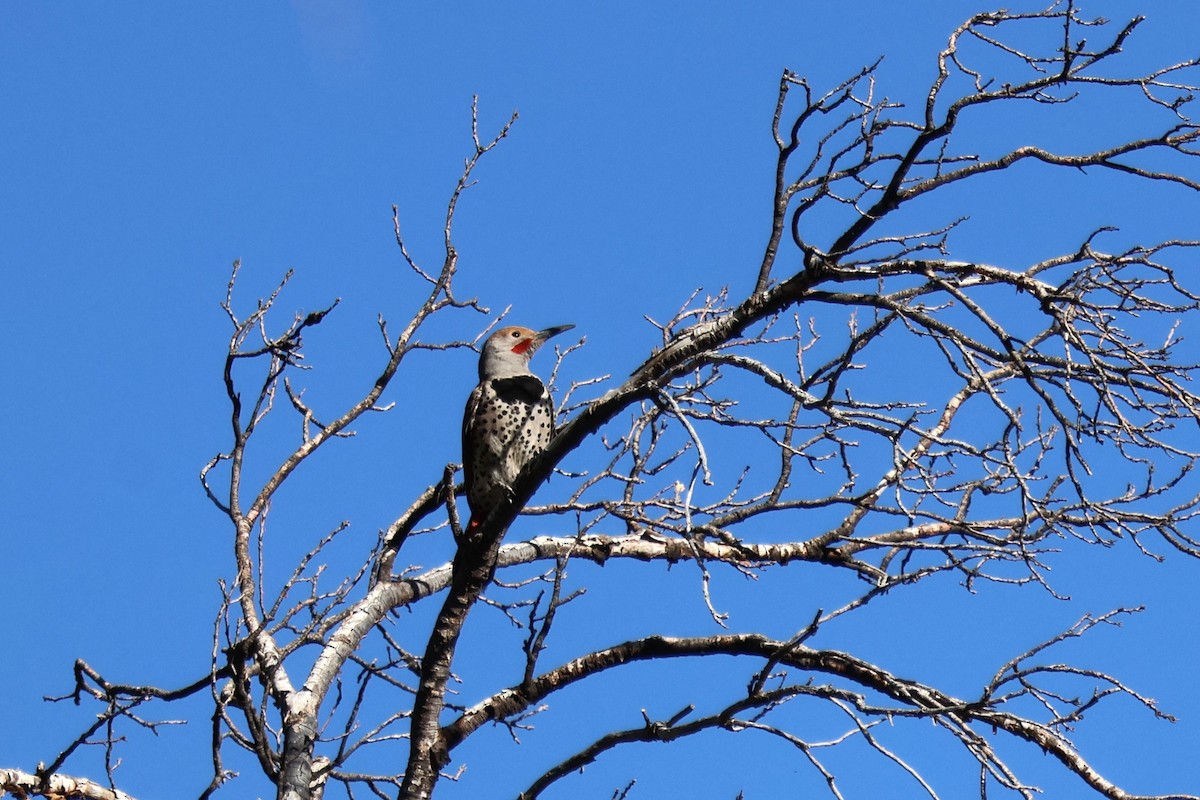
(509, 418)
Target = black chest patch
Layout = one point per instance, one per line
(519, 389)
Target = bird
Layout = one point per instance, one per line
(508, 421)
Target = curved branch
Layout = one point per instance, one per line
(915, 699)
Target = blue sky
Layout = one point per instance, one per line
(145, 146)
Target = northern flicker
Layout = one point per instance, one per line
(509, 418)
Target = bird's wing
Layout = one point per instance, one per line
(469, 415)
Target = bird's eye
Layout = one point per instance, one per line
(516, 334)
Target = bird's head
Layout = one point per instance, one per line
(506, 352)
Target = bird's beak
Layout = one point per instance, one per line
(543, 335)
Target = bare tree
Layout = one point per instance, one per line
(1025, 379)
